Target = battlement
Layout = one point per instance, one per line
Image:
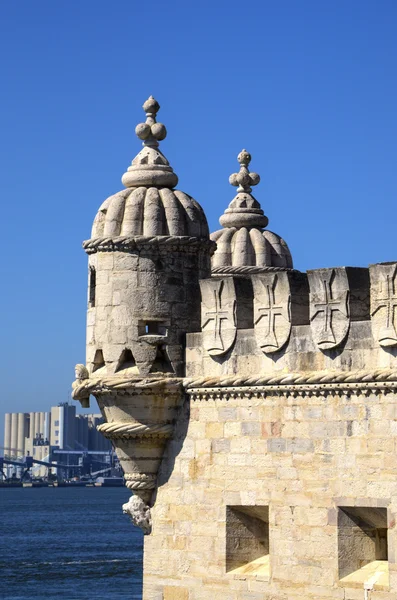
(340, 318)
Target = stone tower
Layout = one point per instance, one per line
(261, 452)
(149, 248)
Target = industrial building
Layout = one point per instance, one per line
(48, 436)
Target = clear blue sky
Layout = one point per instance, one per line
(308, 87)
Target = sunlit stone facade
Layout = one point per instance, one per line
(252, 406)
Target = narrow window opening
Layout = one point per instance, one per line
(91, 299)
(245, 304)
(162, 363)
(99, 361)
(362, 546)
(127, 361)
(153, 328)
(247, 540)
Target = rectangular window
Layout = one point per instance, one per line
(247, 540)
(56, 423)
(152, 328)
(362, 547)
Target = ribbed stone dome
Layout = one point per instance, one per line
(150, 211)
(249, 247)
(244, 242)
(150, 206)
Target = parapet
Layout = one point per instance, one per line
(273, 320)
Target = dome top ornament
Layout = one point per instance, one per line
(244, 242)
(244, 210)
(150, 168)
(243, 179)
(151, 132)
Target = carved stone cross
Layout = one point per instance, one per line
(272, 308)
(384, 303)
(217, 315)
(329, 306)
(218, 319)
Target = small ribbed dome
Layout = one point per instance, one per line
(150, 206)
(243, 242)
(150, 211)
(249, 247)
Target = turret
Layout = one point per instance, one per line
(253, 284)
(148, 249)
(149, 246)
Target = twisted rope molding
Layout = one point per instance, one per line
(140, 485)
(133, 430)
(140, 481)
(248, 270)
(317, 383)
(164, 242)
(313, 382)
(140, 477)
(108, 384)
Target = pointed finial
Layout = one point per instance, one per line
(244, 210)
(244, 179)
(151, 132)
(150, 167)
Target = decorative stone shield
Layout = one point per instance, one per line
(329, 306)
(272, 310)
(218, 314)
(384, 303)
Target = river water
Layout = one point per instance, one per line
(68, 543)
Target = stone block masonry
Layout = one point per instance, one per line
(296, 455)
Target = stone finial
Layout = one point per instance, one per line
(244, 179)
(244, 210)
(150, 168)
(151, 132)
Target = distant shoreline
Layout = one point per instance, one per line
(18, 486)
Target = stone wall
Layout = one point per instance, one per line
(281, 480)
(303, 457)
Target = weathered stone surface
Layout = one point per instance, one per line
(337, 297)
(329, 307)
(218, 315)
(139, 513)
(384, 303)
(272, 310)
(313, 469)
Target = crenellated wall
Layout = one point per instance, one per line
(327, 319)
(280, 482)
